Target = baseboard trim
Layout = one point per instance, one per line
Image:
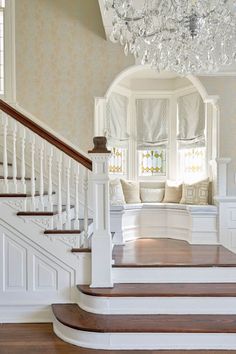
(25, 314)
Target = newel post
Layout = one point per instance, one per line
(101, 239)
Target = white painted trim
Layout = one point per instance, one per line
(175, 275)
(157, 305)
(25, 313)
(142, 341)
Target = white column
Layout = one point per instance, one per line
(32, 142)
(85, 239)
(14, 161)
(59, 187)
(101, 240)
(23, 136)
(222, 176)
(5, 159)
(68, 211)
(76, 179)
(50, 157)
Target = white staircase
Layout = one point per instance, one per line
(54, 235)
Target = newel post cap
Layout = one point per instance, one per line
(100, 145)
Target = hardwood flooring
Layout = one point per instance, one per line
(169, 253)
(40, 339)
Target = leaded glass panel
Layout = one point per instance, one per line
(152, 162)
(117, 162)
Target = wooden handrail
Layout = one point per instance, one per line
(43, 133)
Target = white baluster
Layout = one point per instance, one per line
(59, 196)
(5, 160)
(85, 241)
(41, 173)
(14, 161)
(23, 135)
(76, 179)
(50, 157)
(32, 142)
(68, 209)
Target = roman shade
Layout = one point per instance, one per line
(116, 119)
(152, 122)
(191, 120)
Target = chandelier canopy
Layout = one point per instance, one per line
(185, 36)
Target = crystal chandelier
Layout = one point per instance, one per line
(185, 36)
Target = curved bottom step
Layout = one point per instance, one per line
(118, 332)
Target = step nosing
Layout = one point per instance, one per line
(72, 316)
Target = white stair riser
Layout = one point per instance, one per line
(157, 305)
(145, 341)
(175, 275)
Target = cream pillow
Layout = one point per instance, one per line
(131, 191)
(196, 193)
(116, 192)
(152, 195)
(173, 193)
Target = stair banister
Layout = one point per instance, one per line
(101, 240)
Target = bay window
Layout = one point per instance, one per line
(151, 135)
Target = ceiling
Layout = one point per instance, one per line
(107, 23)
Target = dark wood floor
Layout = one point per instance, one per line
(169, 253)
(40, 339)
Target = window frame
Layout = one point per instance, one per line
(172, 158)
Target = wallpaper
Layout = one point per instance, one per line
(62, 62)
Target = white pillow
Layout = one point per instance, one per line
(131, 191)
(116, 192)
(152, 195)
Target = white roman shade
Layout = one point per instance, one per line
(191, 120)
(116, 119)
(152, 122)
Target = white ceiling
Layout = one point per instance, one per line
(107, 23)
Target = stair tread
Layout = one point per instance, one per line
(73, 316)
(163, 290)
(81, 250)
(55, 232)
(18, 178)
(8, 164)
(20, 195)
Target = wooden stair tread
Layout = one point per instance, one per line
(18, 178)
(59, 232)
(157, 253)
(81, 250)
(41, 213)
(21, 195)
(8, 164)
(73, 316)
(163, 290)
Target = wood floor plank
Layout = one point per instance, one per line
(168, 253)
(38, 338)
(163, 290)
(73, 316)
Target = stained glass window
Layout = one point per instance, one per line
(152, 162)
(192, 163)
(117, 162)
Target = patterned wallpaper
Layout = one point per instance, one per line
(62, 62)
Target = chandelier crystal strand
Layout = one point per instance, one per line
(185, 36)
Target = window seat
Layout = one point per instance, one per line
(196, 224)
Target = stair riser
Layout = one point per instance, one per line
(175, 275)
(157, 305)
(148, 341)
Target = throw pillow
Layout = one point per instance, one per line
(173, 193)
(154, 195)
(116, 192)
(131, 191)
(196, 193)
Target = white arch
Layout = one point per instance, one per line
(136, 68)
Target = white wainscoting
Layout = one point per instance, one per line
(35, 270)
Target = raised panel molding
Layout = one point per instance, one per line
(14, 263)
(45, 277)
